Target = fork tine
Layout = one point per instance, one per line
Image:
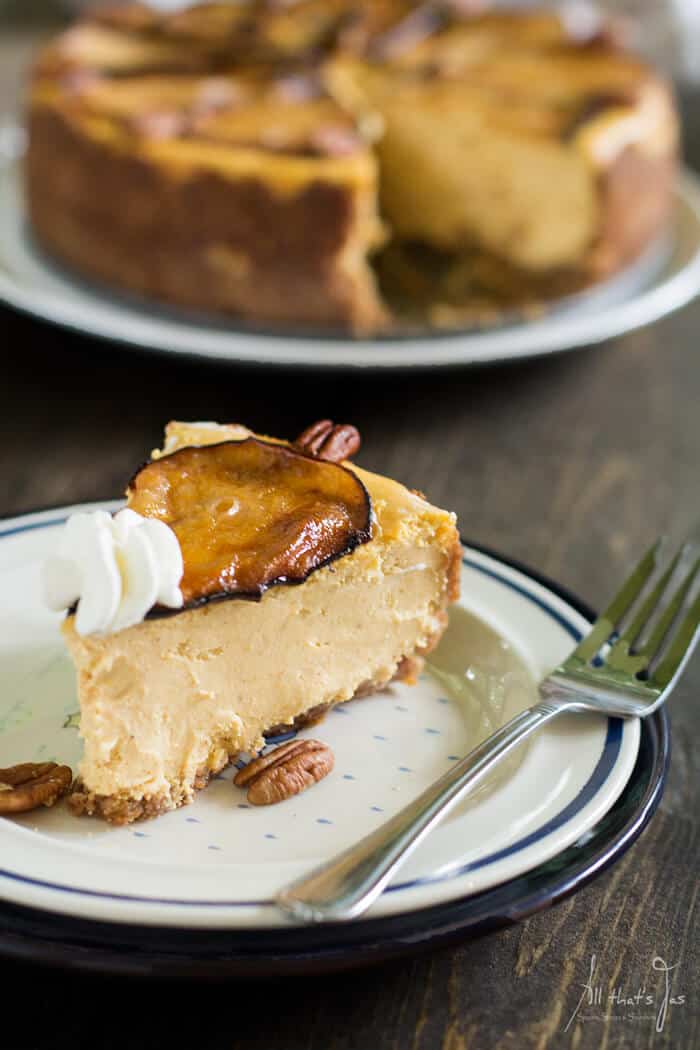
(652, 643)
(644, 638)
(631, 632)
(677, 649)
(621, 604)
(650, 633)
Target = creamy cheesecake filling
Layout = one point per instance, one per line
(491, 178)
(169, 701)
(160, 699)
(534, 204)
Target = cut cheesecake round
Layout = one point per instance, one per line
(338, 165)
(168, 702)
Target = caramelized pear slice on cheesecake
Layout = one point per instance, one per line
(250, 514)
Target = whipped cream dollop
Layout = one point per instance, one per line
(115, 568)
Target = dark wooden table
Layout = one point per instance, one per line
(571, 464)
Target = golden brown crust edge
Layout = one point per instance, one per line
(637, 200)
(205, 242)
(454, 569)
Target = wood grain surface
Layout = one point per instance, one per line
(572, 464)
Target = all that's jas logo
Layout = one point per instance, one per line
(651, 1001)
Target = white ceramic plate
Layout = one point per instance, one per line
(216, 863)
(667, 277)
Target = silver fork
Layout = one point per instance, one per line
(626, 666)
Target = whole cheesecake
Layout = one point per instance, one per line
(295, 581)
(345, 165)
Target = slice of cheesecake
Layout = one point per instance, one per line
(306, 582)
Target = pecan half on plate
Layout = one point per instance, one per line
(285, 771)
(32, 784)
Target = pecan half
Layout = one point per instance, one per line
(328, 440)
(32, 784)
(285, 771)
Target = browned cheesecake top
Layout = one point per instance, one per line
(263, 73)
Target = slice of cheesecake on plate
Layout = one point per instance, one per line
(250, 584)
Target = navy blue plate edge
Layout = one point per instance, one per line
(33, 935)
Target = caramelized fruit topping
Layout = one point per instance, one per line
(250, 514)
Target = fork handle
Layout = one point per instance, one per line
(348, 884)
